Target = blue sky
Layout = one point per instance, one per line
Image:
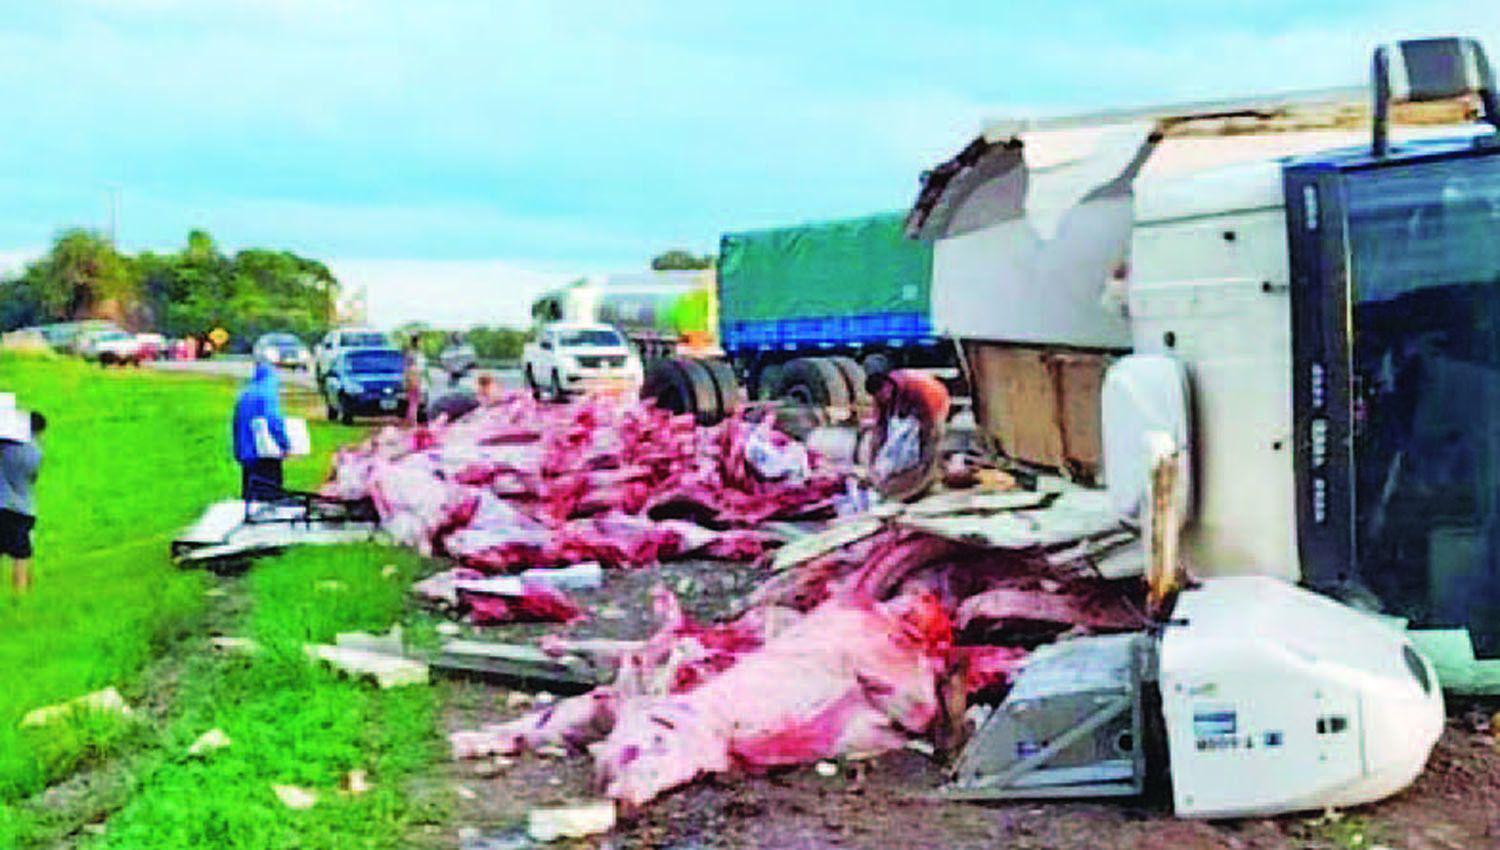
(579, 135)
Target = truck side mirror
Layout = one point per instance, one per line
(1427, 69)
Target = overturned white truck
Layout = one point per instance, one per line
(1306, 308)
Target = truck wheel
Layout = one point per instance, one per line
(768, 380)
(726, 385)
(681, 385)
(854, 380)
(705, 394)
(346, 413)
(876, 363)
(814, 381)
(532, 385)
(558, 395)
(333, 411)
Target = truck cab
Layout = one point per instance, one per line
(1331, 294)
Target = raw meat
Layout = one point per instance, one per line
(521, 484)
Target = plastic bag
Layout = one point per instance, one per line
(902, 449)
(787, 461)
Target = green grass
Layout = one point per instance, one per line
(130, 458)
(295, 723)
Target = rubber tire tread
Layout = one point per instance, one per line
(704, 395)
(820, 376)
(854, 379)
(726, 385)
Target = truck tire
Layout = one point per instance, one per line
(767, 380)
(814, 381)
(726, 385)
(681, 385)
(705, 393)
(876, 363)
(854, 379)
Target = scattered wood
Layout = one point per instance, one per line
(213, 739)
(388, 671)
(555, 822)
(107, 701)
(516, 665)
(357, 782)
(389, 643)
(234, 645)
(297, 799)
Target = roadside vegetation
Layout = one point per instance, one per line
(130, 459)
(292, 723)
(186, 292)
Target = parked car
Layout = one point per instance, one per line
(110, 347)
(457, 359)
(339, 340)
(568, 358)
(282, 349)
(365, 382)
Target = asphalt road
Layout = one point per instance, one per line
(239, 368)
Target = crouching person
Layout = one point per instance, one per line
(911, 410)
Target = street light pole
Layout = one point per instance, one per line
(112, 203)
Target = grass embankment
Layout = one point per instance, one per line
(292, 723)
(131, 458)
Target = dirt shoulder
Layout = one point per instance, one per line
(877, 804)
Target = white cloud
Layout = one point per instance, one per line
(446, 293)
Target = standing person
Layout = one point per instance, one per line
(260, 440)
(488, 392)
(911, 417)
(19, 463)
(416, 368)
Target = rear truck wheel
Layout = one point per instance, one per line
(877, 362)
(767, 381)
(664, 385)
(705, 393)
(681, 385)
(854, 380)
(558, 394)
(816, 382)
(726, 385)
(346, 411)
(333, 411)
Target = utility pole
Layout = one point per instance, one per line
(112, 204)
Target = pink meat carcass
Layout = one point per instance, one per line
(853, 677)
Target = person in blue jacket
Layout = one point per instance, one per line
(260, 440)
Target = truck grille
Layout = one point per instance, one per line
(596, 361)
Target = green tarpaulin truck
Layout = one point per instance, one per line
(801, 309)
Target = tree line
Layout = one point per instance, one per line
(187, 292)
(197, 288)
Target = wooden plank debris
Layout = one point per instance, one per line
(515, 665)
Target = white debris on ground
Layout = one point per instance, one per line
(213, 739)
(106, 701)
